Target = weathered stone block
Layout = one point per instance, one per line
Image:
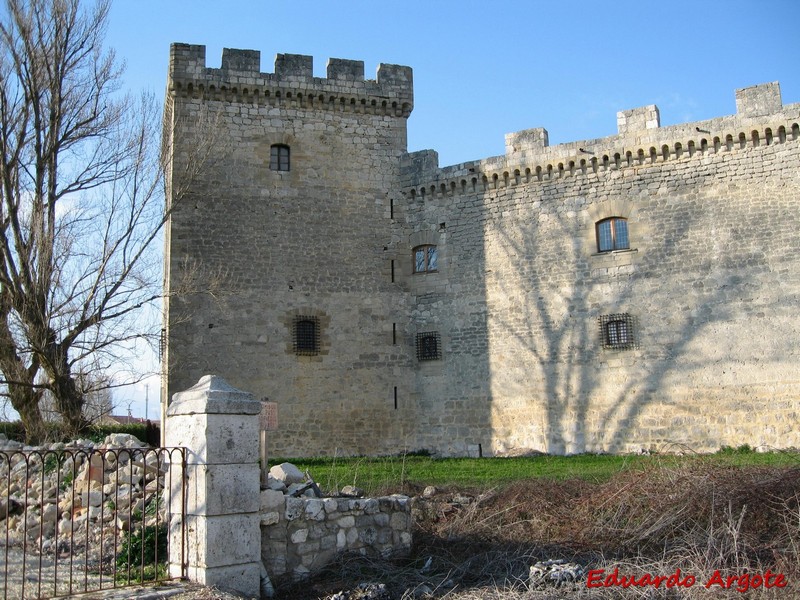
(270, 518)
(287, 473)
(295, 508)
(299, 536)
(272, 499)
(757, 100)
(346, 522)
(245, 578)
(399, 521)
(315, 509)
(223, 540)
(223, 489)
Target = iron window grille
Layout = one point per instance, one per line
(426, 259)
(618, 332)
(306, 336)
(429, 346)
(612, 234)
(279, 157)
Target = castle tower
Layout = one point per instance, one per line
(277, 272)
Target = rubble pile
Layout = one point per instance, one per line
(65, 497)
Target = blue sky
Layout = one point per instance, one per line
(484, 69)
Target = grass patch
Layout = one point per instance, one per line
(408, 473)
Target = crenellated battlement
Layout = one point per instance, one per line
(240, 79)
(761, 119)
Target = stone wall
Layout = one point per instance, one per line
(708, 283)
(302, 535)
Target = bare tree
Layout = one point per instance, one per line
(81, 180)
(95, 388)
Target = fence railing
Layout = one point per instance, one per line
(81, 520)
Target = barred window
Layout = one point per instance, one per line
(306, 336)
(617, 332)
(612, 234)
(429, 346)
(426, 259)
(279, 157)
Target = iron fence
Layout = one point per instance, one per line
(80, 520)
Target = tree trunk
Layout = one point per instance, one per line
(21, 391)
(19, 380)
(69, 403)
(25, 401)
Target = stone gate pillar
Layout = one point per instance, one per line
(219, 426)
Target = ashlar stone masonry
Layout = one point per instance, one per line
(628, 293)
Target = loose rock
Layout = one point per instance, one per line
(554, 572)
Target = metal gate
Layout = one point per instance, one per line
(80, 520)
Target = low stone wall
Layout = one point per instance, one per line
(301, 535)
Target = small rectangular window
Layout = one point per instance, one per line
(279, 157)
(429, 346)
(426, 259)
(617, 332)
(306, 336)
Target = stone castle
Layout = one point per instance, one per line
(634, 292)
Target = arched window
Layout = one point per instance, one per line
(612, 234)
(279, 157)
(426, 259)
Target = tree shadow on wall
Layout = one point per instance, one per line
(545, 299)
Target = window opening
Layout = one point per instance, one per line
(429, 346)
(426, 259)
(306, 336)
(617, 332)
(612, 234)
(279, 157)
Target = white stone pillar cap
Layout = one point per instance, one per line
(213, 395)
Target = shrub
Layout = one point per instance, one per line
(140, 546)
(146, 432)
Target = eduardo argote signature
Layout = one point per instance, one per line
(741, 583)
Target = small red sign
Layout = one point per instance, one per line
(268, 420)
